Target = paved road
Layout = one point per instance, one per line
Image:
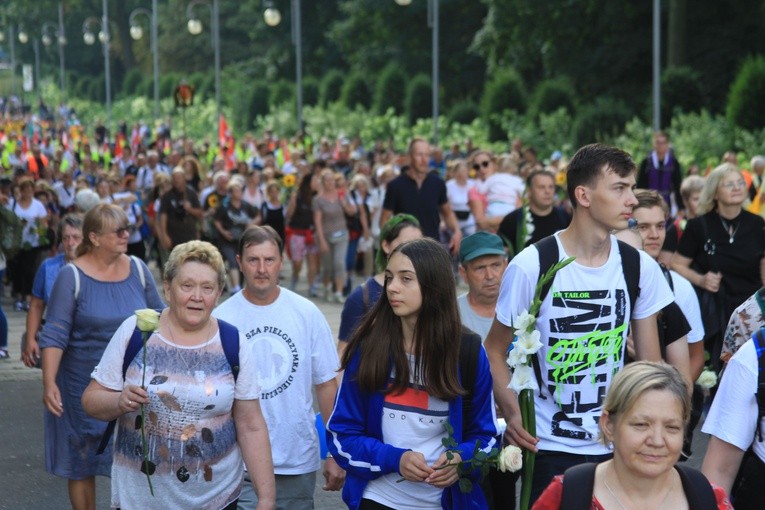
(24, 484)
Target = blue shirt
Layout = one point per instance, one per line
(46, 275)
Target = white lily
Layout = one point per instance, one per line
(523, 379)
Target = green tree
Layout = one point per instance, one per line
(418, 98)
(504, 91)
(746, 102)
(681, 91)
(310, 91)
(549, 95)
(355, 92)
(391, 89)
(331, 86)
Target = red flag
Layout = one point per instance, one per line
(226, 144)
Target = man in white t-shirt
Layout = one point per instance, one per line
(482, 262)
(583, 319)
(296, 351)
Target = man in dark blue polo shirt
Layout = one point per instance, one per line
(421, 193)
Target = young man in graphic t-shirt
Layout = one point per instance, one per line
(583, 319)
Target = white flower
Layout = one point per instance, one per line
(707, 379)
(516, 357)
(528, 342)
(524, 322)
(523, 379)
(510, 459)
(147, 320)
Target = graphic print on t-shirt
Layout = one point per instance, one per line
(279, 359)
(584, 350)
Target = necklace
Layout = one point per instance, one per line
(613, 495)
(728, 226)
(181, 351)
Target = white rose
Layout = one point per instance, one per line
(510, 459)
(147, 320)
(707, 379)
(524, 322)
(528, 343)
(515, 357)
(523, 379)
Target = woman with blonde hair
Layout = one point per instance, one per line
(643, 420)
(722, 252)
(90, 298)
(495, 194)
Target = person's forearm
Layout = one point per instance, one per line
(34, 318)
(696, 356)
(51, 360)
(196, 212)
(496, 346)
(325, 394)
(101, 403)
(385, 215)
(256, 452)
(693, 276)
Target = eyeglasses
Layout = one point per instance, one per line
(121, 231)
(734, 184)
(478, 165)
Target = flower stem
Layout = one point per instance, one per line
(143, 420)
(528, 416)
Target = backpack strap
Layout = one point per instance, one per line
(759, 346)
(139, 265)
(631, 268)
(578, 485)
(470, 347)
(760, 298)
(229, 338)
(698, 490)
(667, 276)
(547, 249)
(134, 345)
(76, 280)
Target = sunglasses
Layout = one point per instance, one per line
(129, 229)
(485, 163)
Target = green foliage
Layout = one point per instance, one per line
(96, 90)
(504, 91)
(167, 84)
(601, 121)
(206, 88)
(464, 112)
(331, 86)
(310, 91)
(552, 94)
(282, 92)
(257, 104)
(746, 101)
(391, 89)
(701, 138)
(355, 92)
(418, 98)
(132, 84)
(680, 92)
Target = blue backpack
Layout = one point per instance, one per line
(229, 337)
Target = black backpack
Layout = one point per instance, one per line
(579, 481)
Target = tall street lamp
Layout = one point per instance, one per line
(49, 30)
(433, 22)
(273, 17)
(136, 32)
(195, 28)
(103, 36)
(656, 65)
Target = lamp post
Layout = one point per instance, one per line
(656, 65)
(195, 28)
(103, 36)
(136, 32)
(433, 23)
(273, 17)
(49, 28)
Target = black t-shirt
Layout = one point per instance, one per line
(181, 226)
(235, 219)
(738, 261)
(671, 239)
(544, 226)
(403, 196)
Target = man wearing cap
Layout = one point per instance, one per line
(482, 262)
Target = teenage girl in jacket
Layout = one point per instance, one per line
(402, 386)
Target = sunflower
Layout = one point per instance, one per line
(212, 200)
(288, 180)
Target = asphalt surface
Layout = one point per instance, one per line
(24, 483)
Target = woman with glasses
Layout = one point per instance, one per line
(721, 252)
(89, 300)
(495, 195)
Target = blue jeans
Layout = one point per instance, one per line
(548, 465)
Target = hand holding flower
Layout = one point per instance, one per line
(413, 466)
(445, 471)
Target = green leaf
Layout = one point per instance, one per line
(449, 455)
(466, 485)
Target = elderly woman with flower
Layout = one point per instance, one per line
(90, 298)
(184, 393)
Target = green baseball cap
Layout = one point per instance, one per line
(480, 244)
